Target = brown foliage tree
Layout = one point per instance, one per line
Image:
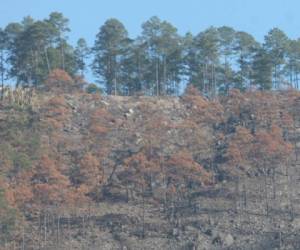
(99, 122)
(50, 186)
(201, 109)
(90, 176)
(58, 78)
(182, 169)
(238, 150)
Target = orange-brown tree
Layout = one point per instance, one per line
(58, 78)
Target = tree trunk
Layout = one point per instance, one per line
(2, 74)
(115, 85)
(245, 196)
(58, 230)
(242, 69)
(165, 76)
(274, 183)
(226, 76)
(143, 215)
(23, 239)
(237, 194)
(138, 87)
(266, 193)
(115, 76)
(156, 76)
(205, 79)
(62, 54)
(45, 229)
(214, 87)
(47, 60)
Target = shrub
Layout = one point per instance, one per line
(7, 218)
(21, 161)
(99, 121)
(93, 89)
(57, 111)
(59, 78)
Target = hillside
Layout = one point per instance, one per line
(84, 171)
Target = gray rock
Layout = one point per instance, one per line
(228, 240)
(202, 243)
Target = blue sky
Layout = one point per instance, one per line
(253, 16)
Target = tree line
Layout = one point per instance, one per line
(159, 61)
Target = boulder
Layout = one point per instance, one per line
(228, 240)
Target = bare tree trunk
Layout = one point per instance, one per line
(138, 88)
(40, 230)
(266, 193)
(203, 76)
(245, 196)
(62, 55)
(276, 82)
(23, 239)
(295, 142)
(2, 75)
(274, 183)
(69, 228)
(83, 229)
(156, 76)
(127, 192)
(226, 76)
(241, 68)
(214, 87)
(237, 194)
(291, 77)
(45, 229)
(115, 85)
(206, 79)
(165, 76)
(58, 230)
(143, 215)
(47, 60)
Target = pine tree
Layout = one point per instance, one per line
(109, 49)
(164, 52)
(81, 54)
(60, 29)
(245, 46)
(206, 61)
(262, 70)
(275, 45)
(227, 42)
(292, 66)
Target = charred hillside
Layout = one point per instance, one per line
(84, 171)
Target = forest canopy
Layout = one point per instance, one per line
(159, 61)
